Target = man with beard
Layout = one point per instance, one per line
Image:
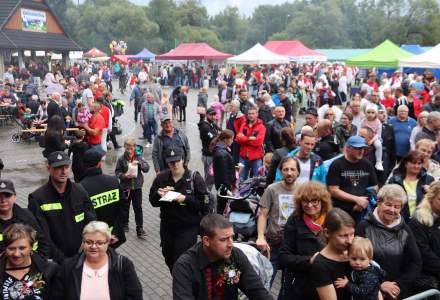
(196, 272)
(276, 205)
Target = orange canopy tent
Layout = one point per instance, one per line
(93, 53)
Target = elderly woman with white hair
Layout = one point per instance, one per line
(394, 245)
(426, 228)
(97, 272)
(421, 122)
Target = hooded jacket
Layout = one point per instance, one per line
(208, 131)
(395, 249)
(251, 149)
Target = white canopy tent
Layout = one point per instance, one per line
(258, 55)
(429, 59)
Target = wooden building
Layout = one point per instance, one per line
(31, 25)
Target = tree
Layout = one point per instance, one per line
(192, 13)
(98, 22)
(163, 13)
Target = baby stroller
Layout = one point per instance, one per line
(242, 208)
(259, 262)
(20, 135)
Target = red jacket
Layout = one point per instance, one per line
(251, 149)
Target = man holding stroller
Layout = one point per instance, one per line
(276, 205)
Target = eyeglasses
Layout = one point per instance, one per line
(90, 243)
(313, 202)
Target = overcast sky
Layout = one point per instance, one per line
(246, 7)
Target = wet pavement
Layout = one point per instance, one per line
(25, 165)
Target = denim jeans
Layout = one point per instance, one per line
(150, 129)
(274, 254)
(251, 166)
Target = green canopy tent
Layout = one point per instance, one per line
(385, 55)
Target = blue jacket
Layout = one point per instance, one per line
(318, 171)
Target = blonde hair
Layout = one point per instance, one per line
(425, 142)
(424, 213)
(361, 247)
(130, 141)
(97, 227)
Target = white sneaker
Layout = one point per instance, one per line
(379, 166)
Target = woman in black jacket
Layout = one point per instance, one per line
(426, 228)
(411, 175)
(287, 136)
(34, 272)
(54, 136)
(72, 280)
(182, 101)
(394, 245)
(223, 164)
(303, 238)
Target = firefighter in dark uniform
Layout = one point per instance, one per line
(11, 213)
(179, 216)
(105, 194)
(62, 208)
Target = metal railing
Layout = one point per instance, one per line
(435, 294)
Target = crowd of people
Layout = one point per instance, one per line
(350, 160)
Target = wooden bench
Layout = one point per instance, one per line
(36, 130)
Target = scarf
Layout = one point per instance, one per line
(314, 226)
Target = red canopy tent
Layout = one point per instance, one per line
(94, 52)
(295, 50)
(193, 51)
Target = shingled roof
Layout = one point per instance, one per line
(18, 39)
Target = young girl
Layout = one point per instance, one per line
(366, 275)
(371, 121)
(219, 111)
(82, 116)
(165, 107)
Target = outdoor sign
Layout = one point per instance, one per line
(33, 20)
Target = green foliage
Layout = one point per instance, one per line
(163, 24)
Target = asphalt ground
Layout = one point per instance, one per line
(25, 165)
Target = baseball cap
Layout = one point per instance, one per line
(164, 118)
(210, 111)
(312, 111)
(356, 141)
(7, 186)
(57, 159)
(173, 154)
(92, 157)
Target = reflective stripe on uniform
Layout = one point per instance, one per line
(51, 206)
(105, 198)
(79, 218)
(1, 237)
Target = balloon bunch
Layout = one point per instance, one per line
(118, 47)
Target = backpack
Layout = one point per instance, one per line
(209, 201)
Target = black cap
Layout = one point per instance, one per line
(92, 157)
(173, 154)
(210, 111)
(6, 186)
(312, 111)
(58, 158)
